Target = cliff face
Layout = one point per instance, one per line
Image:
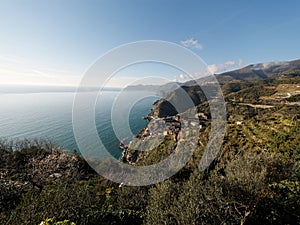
(178, 101)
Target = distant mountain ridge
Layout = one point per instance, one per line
(268, 70)
(261, 71)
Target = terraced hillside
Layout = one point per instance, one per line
(262, 116)
(255, 176)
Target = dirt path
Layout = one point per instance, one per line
(258, 106)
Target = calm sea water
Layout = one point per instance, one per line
(49, 115)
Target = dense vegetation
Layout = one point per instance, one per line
(258, 187)
(254, 180)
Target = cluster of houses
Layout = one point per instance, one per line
(173, 126)
(168, 126)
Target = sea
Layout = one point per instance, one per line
(48, 115)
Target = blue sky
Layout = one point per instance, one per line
(54, 41)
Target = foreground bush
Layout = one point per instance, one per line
(248, 191)
(254, 188)
(50, 222)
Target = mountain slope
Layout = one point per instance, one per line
(263, 112)
(261, 71)
(230, 82)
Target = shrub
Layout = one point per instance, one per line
(232, 197)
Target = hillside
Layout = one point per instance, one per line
(262, 71)
(261, 115)
(233, 81)
(263, 118)
(254, 179)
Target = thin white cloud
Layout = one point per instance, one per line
(27, 77)
(240, 63)
(213, 68)
(182, 76)
(192, 43)
(219, 68)
(230, 63)
(14, 71)
(267, 65)
(11, 60)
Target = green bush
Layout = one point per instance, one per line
(50, 222)
(234, 196)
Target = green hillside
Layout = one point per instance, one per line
(253, 180)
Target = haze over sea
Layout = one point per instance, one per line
(48, 115)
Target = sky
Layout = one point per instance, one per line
(54, 42)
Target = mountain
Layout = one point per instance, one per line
(230, 82)
(263, 112)
(261, 71)
(161, 90)
(250, 73)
